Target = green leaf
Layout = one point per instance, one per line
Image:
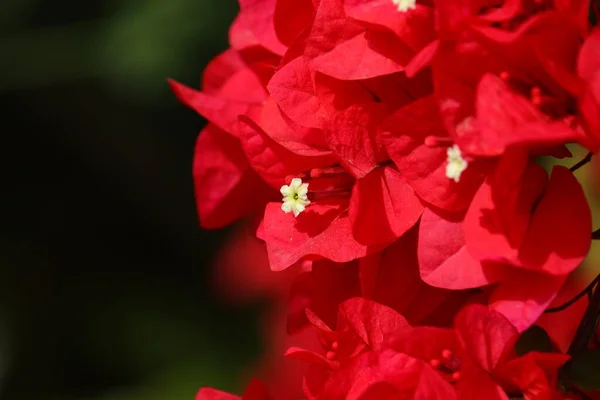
(584, 370)
(534, 339)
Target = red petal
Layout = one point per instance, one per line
(352, 135)
(341, 48)
(424, 167)
(374, 323)
(383, 207)
(422, 59)
(271, 160)
(294, 89)
(521, 302)
(256, 391)
(323, 230)
(444, 260)
(291, 18)
(308, 356)
(505, 118)
(426, 343)
(214, 394)
(220, 68)
(562, 222)
(475, 383)
(221, 177)
(486, 335)
(410, 377)
(222, 112)
(258, 16)
(413, 27)
(499, 217)
(332, 284)
(562, 325)
(298, 139)
(588, 63)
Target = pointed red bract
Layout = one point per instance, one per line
(385, 197)
(323, 231)
(221, 177)
(352, 135)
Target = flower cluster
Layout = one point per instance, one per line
(387, 150)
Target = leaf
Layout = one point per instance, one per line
(584, 370)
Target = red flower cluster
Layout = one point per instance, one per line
(388, 148)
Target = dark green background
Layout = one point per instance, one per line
(103, 269)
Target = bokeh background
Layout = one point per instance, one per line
(105, 291)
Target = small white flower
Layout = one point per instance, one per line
(456, 163)
(405, 5)
(294, 197)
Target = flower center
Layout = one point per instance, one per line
(294, 197)
(456, 164)
(448, 365)
(548, 103)
(405, 5)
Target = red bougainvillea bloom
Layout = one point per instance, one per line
(357, 361)
(386, 152)
(478, 356)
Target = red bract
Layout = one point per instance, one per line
(512, 214)
(478, 356)
(342, 48)
(423, 165)
(358, 364)
(328, 284)
(588, 66)
(445, 262)
(254, 391)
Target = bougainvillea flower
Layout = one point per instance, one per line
(478, 356)
(411, 136)
(358, 205)
(359, 343)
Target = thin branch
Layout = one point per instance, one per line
(587, 290)
(581, 163)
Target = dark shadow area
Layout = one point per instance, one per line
(103, 267)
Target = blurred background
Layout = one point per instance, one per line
(104, 274)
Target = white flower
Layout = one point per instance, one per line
(456, 163)
(294, 197)
(405, 5)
